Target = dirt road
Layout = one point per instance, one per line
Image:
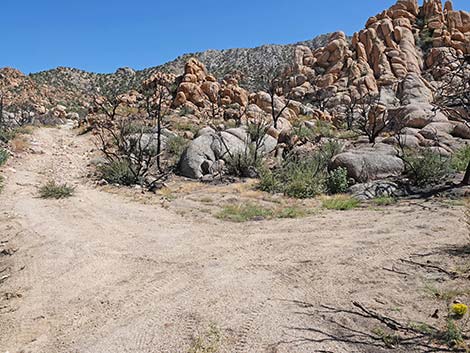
(100, 273)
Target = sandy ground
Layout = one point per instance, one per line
(100, 272)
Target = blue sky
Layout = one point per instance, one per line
(102, 35)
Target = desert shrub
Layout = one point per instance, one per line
(328, 150)
(453, 335)
(175, 146)
(340, 203)
(243, 164)
(1, 183)
(248, 163)
(119, 172)
(52, 190)
(425, 39)
(7, 135)
(426, 167)
(324, 129)
(250, 211)
(291, 212)
(303, 132)
(244, 212)
(186, 126)
(186, 111)
(207, 343)
(301, 177)
(384, 201)
(337, 181)
(297, 177)
(461, 158)
(3, 156)
(25, 130)
(136, 128)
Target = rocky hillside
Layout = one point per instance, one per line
(72, 87)
(399, 54)
(251, 64)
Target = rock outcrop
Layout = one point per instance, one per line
(209, 152)
(370, 163)
(397, 46)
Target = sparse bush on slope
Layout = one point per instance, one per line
(426, 167)
(301, 177)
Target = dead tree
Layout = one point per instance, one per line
(157, 97)
(273, 85)
(349, 112)
(453, 95)
(2, 104)
(371, 117)
(124, 146)
(320, 99)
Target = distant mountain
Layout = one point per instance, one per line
(250, 63)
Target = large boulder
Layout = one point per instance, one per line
(211, 148)
(461, 130)
(417, 115)
(375, 189)
(370, 163)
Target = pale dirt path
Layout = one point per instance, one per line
(99, 273)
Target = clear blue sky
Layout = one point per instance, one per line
(102, 35)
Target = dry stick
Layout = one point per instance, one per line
(6, 268)
(389, 322)
(4, 278)
(395, 271)
(452, 275)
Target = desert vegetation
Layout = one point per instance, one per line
(297, 198)
(53, 190)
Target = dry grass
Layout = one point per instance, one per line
(209, 342)
(249, 211)
(340, 203)
(19, 144)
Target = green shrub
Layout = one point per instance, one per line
(425, 39)
(452, 336)
(461, 158)
(340, 203)
(186, 111)
(7, 135)
(175, 146)
(119, 172)
(250, 211)
(304, 132)
(426, 167)
(52, 190)
(3, 156)
(337, 181)
(301, 177)
(384, 201)
(328, 150)
(324, 129)
(244, 164)
(291, 212)
(136, 128)
(244, 212)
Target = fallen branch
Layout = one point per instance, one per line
(389, 322)
(395, 271)
(451, 274)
